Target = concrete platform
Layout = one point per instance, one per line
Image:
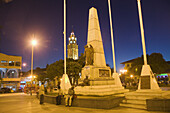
(137, 99)
(158, 105)
(19, 103)
(106, 102)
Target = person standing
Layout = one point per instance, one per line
(69, 97)
(41, 93)
(59, 95)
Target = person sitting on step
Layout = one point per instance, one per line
(69, 97)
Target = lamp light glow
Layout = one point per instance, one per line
(34, 42)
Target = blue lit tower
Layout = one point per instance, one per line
(72, 47)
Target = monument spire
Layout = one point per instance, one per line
(95, 39)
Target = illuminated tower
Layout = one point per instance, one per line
(72, 47)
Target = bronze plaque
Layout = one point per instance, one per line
(145, 82)
(104, 73)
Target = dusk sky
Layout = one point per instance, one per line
(20, 19)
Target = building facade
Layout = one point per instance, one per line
(72, 47)
(10, 67)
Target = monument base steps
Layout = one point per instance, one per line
(100, 90)
(137, 99)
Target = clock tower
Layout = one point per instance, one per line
(72, 47)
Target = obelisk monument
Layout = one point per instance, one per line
(95, 67)
(101, 81)
(95, 39)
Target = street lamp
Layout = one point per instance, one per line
(34, 43)
(123, 71)
(24, 64)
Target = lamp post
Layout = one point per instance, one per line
(34, 42)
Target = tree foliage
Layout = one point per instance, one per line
(73, 69)
(81, 60)
(155, 60)
(56, 69)
(42, 76)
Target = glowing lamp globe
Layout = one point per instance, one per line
(34, 42)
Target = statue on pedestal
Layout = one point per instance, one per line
(89, 54)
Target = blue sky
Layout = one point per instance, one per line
(21, 19)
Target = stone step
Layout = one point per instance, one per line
(139, 97)
(101, 91)
(144, 93)
(136, 106)
(98, 90)
(98, 87)
(135, 101)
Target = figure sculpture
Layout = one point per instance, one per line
(89, 54)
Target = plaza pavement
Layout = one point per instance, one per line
(23, 103)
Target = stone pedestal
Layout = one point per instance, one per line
(97, 75)
(147, 79)
(65, 83)
(94, 72)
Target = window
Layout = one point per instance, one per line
(4, 61)
(11, 63)
(17, 64)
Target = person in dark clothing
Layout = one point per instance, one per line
(59, 95)
(41, 93)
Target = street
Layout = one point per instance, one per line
(19, 103)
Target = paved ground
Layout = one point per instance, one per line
(19, 103)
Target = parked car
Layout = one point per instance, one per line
(5, 90)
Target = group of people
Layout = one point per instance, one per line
(69, 96)
(59, 94)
